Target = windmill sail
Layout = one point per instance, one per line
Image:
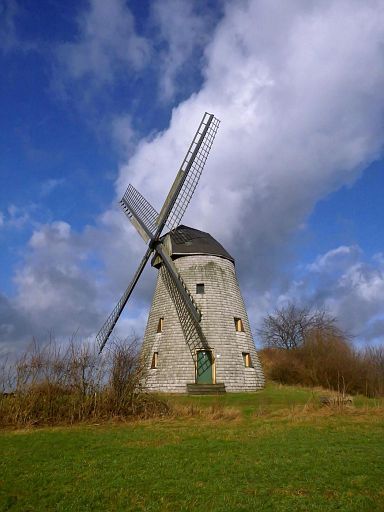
(141, 213)
(189, 174)
(150, 224)
(106, 330)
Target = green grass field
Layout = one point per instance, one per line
(273, 450)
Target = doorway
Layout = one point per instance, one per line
(204, 374)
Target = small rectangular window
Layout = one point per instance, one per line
(155, 358)
(160, 325)
(247, 359)
(239, 325)
(200, 288)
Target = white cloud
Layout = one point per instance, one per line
(17, 217)
(68, 280)
(358, 297)
(10, 40)
(123, 133)
(57, 289)
(107, 42)
(8, 13)
(53, 278)
(299, 91)
(298, 87)
(50, 185)
(367, 283)
(184, 33)
(350, 288)
(340, 256)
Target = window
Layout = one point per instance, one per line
(155, 358)
(200, 288)
(247, 359)
(239, 325)
(160, 325)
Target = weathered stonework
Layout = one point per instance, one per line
(220, 304)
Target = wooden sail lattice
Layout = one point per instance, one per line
(150, 224)
(193, 334)
(193, 166)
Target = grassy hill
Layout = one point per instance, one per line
(273, 450)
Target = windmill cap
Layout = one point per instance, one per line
(186, 241)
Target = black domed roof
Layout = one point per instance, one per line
(186, 241)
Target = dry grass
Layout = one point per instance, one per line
(313, 410)
(57, 386)
(50, 385)
(330, 362)
(214, 412)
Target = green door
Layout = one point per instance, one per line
(204, 367)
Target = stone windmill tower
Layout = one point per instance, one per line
(198, 337)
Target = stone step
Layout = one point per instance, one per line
(206, 389)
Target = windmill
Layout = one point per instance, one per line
(173, 295)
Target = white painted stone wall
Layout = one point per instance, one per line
(220, 304)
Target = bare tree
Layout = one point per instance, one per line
(288, 326)
(127, 375)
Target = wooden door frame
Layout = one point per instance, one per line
(212, 351)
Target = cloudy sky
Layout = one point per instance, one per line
(95, 95)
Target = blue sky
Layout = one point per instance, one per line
(95, 95)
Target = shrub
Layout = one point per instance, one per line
(373, 360)
(283, 366)
(328, 360)
(50, 385)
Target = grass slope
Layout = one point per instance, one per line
(265, 451)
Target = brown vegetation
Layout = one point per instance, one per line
(53, 385)
(328, 361)
(307, 347)
(216, 411)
